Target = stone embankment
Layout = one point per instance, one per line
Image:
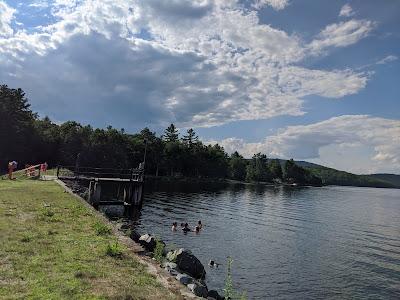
(180, 264)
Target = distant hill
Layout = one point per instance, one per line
(332, 176)
(392, 178)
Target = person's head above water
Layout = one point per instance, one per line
(182, 224)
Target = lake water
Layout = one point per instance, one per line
(287, 243)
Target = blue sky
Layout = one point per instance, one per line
(312, 80)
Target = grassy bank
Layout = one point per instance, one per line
(54, 247)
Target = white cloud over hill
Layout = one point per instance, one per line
(378, 135)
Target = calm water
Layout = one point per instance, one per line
(288, 243)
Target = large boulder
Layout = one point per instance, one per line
(198, 289)
(135, 236)
(187, 263)
(148, 242)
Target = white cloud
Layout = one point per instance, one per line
(275, 4)
(210, 61)
(346, 11)
(387, 59)
(6, 16)
(381, 136)
(341, 34)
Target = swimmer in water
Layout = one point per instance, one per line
(186, 228)
(213, 264)
(199, 225)
(174, 226)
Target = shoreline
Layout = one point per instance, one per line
(152, 266)
(209, 180)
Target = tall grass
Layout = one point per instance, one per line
(229, 290)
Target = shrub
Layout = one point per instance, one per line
(101, 228)
(158, 251)
(47, 212)
(114, 250)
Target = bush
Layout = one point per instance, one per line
(101, 228)
(114, 250)
(158, 251)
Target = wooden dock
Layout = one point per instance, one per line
(108, 186)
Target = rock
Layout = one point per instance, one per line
(135, 236)
(173, 272)
(198, 289)
(184, 279)
(125, 226)
(171, 256)
(148, 242)
(213, 295)
(189, 263)
(170, 265)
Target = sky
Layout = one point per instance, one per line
(303, 79)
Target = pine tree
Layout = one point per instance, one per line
(171, 134)
(190, 138)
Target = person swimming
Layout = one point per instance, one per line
(213, 264)
(186, 228)
(174, 226)
(199, 225)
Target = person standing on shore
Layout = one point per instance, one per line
(12, 165)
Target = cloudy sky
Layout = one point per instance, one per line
(312, 80)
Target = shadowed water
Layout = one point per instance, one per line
(287, 243)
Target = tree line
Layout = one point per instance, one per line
(29, 139)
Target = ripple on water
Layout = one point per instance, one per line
(289, 243)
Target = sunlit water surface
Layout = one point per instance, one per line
(287, 243)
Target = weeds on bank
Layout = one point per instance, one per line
(114, 249)
(229, 290)
(47, 212)
(26, 238)
(101, 228)
(158, 251)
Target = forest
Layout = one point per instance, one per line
(29, 139)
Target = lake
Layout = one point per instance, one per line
(287, 242)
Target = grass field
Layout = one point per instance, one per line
(53, 247)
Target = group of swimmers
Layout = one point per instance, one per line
(185, 227)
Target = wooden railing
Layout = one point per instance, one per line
(93, 173)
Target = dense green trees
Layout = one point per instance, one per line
(28, 139)
(296, 174)
(237, 167)
(16, 124)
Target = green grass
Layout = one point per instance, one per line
(51, 249)
(101, 229)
